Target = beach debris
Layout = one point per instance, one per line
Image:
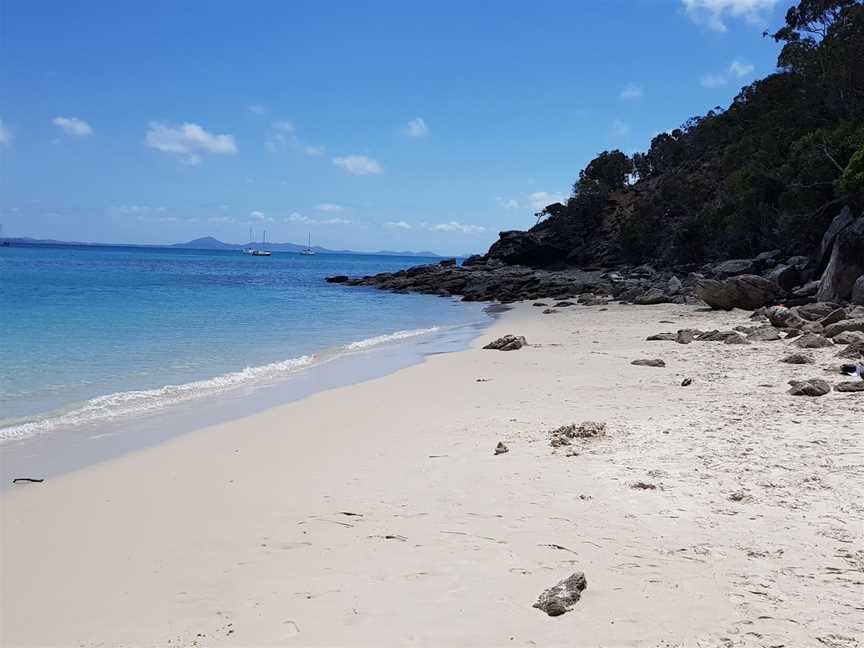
(561, 597)
(649, 362)
(483, 380)
(812, 341)
(641, 485)
(686, 382)
(507, 343)
(739, 496)
(390, 536)
(857, 386)
(350, 514)
(798, 358)
(558, 547)
(812, 387)
(501, 448)
(563, 435)
(27, 480)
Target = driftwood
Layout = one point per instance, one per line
(30, 480)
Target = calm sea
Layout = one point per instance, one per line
(93, 334)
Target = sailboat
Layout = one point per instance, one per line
(262, 251)
(308, 251)
(250, 249)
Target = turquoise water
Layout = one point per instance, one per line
(90, 334)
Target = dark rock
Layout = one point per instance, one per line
(845, 325)
(549, 311)
(715, 336)
(536, 249)
(812, 387)
(686, 382)
(764, 334)
(474, 260)
(673, 287)
(686, 336)
(812, 341)
(849, 337)
(501, 448)
(846, 264)
(785, 276)
(651, 296)
(447, 263)
(816, 311)
(589, 299)
(746, 291)
(336, 279)
(767, 260)
(854, 351)
(662, 337)
(736, 338)
(734, 267)
(856, 386)
(783, 317)
(837, 315)
(792, 333)
(858, 292)
(563, 304)
(646, 362)
(539, 304)
(841, 221)
(563, 596)
(798, 358)
(807, 291)
(507, 343)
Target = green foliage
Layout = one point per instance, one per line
(764, 173)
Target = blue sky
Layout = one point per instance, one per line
(372, 125)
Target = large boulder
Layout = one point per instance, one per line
(534, 248)
(734, 267)
(846, 264)
(841, 221)
(745, 291)
(833, 330)
(858, 292)
(785, 276)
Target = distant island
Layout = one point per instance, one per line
(211, 243)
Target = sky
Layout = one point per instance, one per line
(368, 125)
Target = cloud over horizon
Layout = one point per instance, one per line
(712, 13)
(358, 165)
(73, 126)
(189, 140)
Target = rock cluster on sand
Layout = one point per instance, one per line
(857, 386)
(561, 598)
(798, 358)
(564, 435)
(507, 343)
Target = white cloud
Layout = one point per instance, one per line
(188, 140)
(358, 164)
(285, 126)
(631, 91)
(740, 69)
(73, 126)
(712, 13)
(539, 199)
(620, 129)
(299, 218)
(416, 128)
(5, 134)
(454, 226)
(398, 225)
(507, 204)
(330, 207)
(221, 219)
(314, 151)
(713, 80)
(257, 109)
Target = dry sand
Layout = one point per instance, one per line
(378, 515)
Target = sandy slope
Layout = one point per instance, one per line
(234, 535)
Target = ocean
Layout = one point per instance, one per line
(94, 335)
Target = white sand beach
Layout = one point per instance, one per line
(378, 515)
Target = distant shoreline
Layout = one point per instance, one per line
(216, 246)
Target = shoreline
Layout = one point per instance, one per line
(75, 446)
(377, 513)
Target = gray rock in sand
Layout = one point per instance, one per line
(812, 387)
(507, 343)
(563, 596)
(646, 362)
(857, 386)
(798, 358)
(849, 337)
(812, 341)
(501, 448)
